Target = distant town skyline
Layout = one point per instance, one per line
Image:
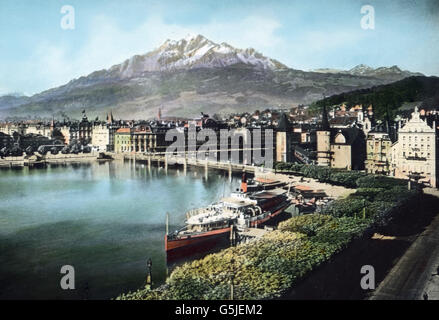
(38, 54)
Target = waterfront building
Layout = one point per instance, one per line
(85, 129)
(142, 139)
(415, 152)
(149, 138)
(39, 129)
(102, 135)
(122, 140)
(100, 138)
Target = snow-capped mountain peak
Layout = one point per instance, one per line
(360, 69)
(194, 51)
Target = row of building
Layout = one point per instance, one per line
(344, 139)
(404, 149)
(103, 136)
(121, 136)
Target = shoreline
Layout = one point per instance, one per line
(259, 172)
(14, 162)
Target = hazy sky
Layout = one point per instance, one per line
(37, 54)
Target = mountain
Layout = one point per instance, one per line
(191, 53)
(184, 78)
(393, 73)
(395, 97)
(12, 100)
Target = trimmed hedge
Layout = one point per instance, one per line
(349, 179)
(265, 268)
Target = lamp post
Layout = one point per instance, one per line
(232, 277)
(364, 209)
(232, 274)
(149, 273)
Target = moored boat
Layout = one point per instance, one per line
(212, 224)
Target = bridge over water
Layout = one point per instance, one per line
(167, 159)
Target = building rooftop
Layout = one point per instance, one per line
(124, 130)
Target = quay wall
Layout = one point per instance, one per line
(48, 158)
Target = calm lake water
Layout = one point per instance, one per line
(104, 219)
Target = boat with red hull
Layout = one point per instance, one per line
(209, 226)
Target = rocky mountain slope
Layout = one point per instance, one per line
(393, 73)
(390, 99)
(184, 78)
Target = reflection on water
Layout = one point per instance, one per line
(105, 219)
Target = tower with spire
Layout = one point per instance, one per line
(284, 139)
(324, 140)
(110, 119)
(369, 120)
(52, 124)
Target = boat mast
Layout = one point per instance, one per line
(167, 223)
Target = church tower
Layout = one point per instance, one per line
(369, 120)
(324, 141)
(284, 135)
(110, 117)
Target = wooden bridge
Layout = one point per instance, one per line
(167, 159)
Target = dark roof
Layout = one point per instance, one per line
(350, 134)
(345, 121)
(379, 128)
(386, 127)
(284, 124)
